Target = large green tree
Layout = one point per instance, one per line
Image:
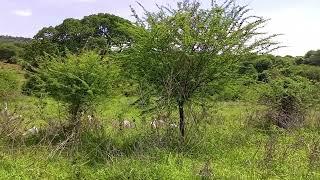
(99, 31)
(179, 54)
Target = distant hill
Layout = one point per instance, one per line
(7, 39)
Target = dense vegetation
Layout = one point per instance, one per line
(13, 39)
(11, 48)
(94, 32)
(182, 93)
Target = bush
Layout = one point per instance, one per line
(77, 80)
(310, 72)
(9, 52)
(263, 64)
(287, 100)
(247, 68)
(263, 77)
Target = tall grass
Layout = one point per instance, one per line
(223, 147)
(232, 140)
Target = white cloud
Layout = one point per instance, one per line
(22, 12)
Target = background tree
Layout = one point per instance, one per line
(11, 39)
(179, 53)
(312, 58)
(100, 31)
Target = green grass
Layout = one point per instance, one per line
(235, 148)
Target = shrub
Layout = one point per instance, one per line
(77, 80)
(263, 77)
(247, 67)
(310, 72)
(9, 52)
(263, 64)
(287, 100)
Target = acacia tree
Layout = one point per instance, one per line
(180, 53)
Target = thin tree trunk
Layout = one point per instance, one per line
(75, 119)
(75, 134)
(182, 122)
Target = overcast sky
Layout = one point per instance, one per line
(298, 20)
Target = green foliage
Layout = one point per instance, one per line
(298, 87)
(288, 100)
(35, 51)
(168, 49)
(263, 64)
(283, 62)
(263, 77)
(307, 71)
(11, 48)
(9, 52)
(78, 80)
(100, 31)
(16, 40)
(179, 53)
(234, 151)
(231, 92)
(247, 67)
(312, 58)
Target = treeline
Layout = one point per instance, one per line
(12, 39)
(99, 32)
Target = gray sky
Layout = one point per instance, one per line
(298, 20)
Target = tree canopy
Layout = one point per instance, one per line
(312, 57)
(77, 80)
(99, 31)
(179, 53)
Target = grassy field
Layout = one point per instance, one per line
(229, 143)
